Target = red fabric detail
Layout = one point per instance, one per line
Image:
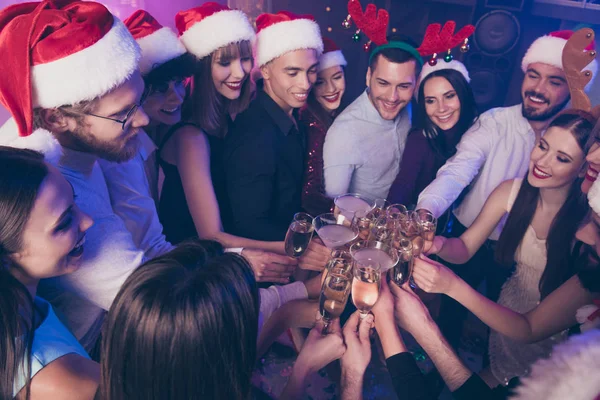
(329, 45)
(141, 24)
(38, 33)
(184, 20)
(596, 313)
(566, 34)
(440, 39)
(265, 20)
(373, 23)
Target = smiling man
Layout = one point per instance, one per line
(265, 149)
(495, 149)
(364, 146)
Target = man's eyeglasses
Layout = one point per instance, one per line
(128, 116)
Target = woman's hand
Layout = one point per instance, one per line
(315, 257)
(431, 276)
(270, 267)
(436, 246)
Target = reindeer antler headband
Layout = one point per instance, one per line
(575, 58)
(374, 23)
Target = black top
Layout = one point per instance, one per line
(173, 210)
(264, 166)
(410, 384)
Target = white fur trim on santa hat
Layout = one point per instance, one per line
(332, 59)
(428, 69)
(571, 373)
(594, 196)
(158, 48)
(40, 140)
(216, 31)
(548, 50)
(87, 74)
(283, 37)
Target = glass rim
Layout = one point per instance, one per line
(356, 195)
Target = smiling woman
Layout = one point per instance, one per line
(446, 110)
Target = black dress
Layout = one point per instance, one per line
(173, 210)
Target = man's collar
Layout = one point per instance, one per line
(77, 161)
(279, 116)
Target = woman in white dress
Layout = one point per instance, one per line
(537, 238)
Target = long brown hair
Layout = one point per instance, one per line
(206, 107)
(565, 223)
(183, 326)
(21, 175)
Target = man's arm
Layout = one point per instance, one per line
(249, 164)
(461, 169)
(340, 158)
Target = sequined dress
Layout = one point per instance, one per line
(520, 293)
(314, 200)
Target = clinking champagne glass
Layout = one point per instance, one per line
(396, 214)
(402, 271)
(340, 263)
(384, 255)
(381, 231)
(299, 234)
(365, 285)
(335, 231)
(379, 207)
(350, 203)
(364, 222)
(334, 296)
(427, 225)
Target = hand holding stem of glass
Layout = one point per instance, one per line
(333, 299)
(365, 285)
(299, 234)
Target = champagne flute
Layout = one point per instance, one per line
(379, 207)
(381, 231)
(348, 204)
(427, 225)
(299, 234)
(402, 271)
(365, 285)
(364, 222)
(333, 299)
(340, 263)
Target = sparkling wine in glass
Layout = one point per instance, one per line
(364, 222)
(299, 234)
(334, 296)
(350, 203)
(335, 231)
(365, 285)
(379, 208)
(427, 225)
(340, 263)
(402, 271)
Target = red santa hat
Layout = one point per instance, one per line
(332, 55)
(570, 373)
(278, 34)
(548, 49)
(159, 44)
(211, 26)
(62, 52)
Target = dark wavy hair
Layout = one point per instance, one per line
(468, 111)
(176, 69)
(566, 222)
(183, 326)
(21, 175)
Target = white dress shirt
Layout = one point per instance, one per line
(496, 148)
(362, 151)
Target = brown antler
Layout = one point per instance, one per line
(575, 59)
(439, 40)
(372, 22)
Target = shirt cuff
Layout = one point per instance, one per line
(236, 250)
(402, 364)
